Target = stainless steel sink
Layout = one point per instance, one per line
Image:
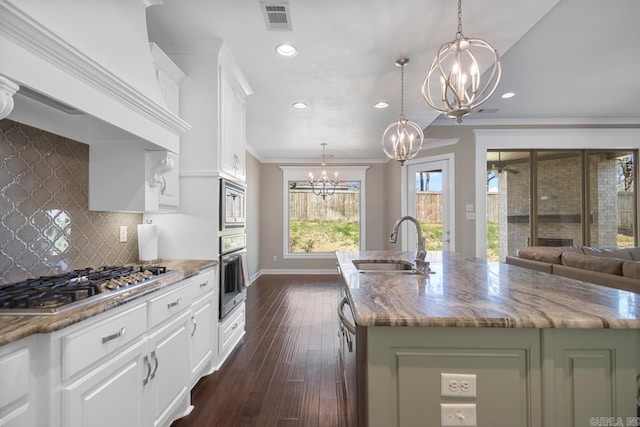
(389, 266)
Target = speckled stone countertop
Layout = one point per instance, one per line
(13, 328)
(470, 292)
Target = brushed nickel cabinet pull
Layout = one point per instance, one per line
(155, 369)
(195, 325)
(176, 302)
(118, 334)
(145, 360)
(203, 284)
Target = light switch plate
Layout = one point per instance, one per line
(469, 207)
(123, 233)
(471, 215)
(458, 414)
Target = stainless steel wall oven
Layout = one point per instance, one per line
(234, 275)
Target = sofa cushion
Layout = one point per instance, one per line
(631, 269)
(610, 253)
(607, 265)
(635, 253)
(550, 254)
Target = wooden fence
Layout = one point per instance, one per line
(344, 206)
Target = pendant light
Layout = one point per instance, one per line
(323, 186)
(454, 76)
(403, 139)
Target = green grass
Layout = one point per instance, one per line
(323, 236)
(493, 242)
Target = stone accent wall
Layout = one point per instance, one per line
(45, 223)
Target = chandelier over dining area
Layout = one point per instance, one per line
(323, 186)
(453, 85)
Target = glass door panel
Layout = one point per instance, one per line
(508, 203)
(559, 198)
(611, 199)
(428, 202)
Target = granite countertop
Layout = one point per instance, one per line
(471, 292)
(13, 328)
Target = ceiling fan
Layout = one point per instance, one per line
(501, 167)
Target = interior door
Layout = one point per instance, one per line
(429, 199)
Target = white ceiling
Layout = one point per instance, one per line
(578, 61)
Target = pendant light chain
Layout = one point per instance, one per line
(459, 33)
(402, 91)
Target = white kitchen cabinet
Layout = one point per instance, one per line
(17, 392)
(111, 395)
(140, 359)
(204, 321)
(169, 379)
(230, 331)
(233, 141)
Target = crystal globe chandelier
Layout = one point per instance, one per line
(323, 186)
(452, 86)
(402, 139)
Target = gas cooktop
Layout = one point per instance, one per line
(66, 291)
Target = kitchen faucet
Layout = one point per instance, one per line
(421, 264)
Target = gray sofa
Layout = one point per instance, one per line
(616, 268)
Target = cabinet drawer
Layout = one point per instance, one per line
(231, 330)
(169, 303)
(94, 341)
(204, 282)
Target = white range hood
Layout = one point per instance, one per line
(92, 56)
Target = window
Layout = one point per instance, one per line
(317, 227)
(559, 198)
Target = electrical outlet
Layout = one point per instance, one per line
(123, 233)
(458, 414)
(275, 258)
(457, 385)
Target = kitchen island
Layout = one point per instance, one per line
(542, 350)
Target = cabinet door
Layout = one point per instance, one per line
(111, 395)
(170, 359)
(232, 127)
(16, 385)
(203, 319)
(587, 374)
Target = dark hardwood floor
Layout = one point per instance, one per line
(285, 371)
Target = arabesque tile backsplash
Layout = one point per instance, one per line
(45, 223)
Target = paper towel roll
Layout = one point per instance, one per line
(147, 242)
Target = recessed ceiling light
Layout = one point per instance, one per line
(299, 105)
(286, 50)
(508, 95)
(381, 104)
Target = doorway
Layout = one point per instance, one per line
(429, 198)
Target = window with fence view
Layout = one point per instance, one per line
(318, 225)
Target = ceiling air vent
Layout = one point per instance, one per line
(276, 15)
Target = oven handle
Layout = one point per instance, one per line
(343, 320)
